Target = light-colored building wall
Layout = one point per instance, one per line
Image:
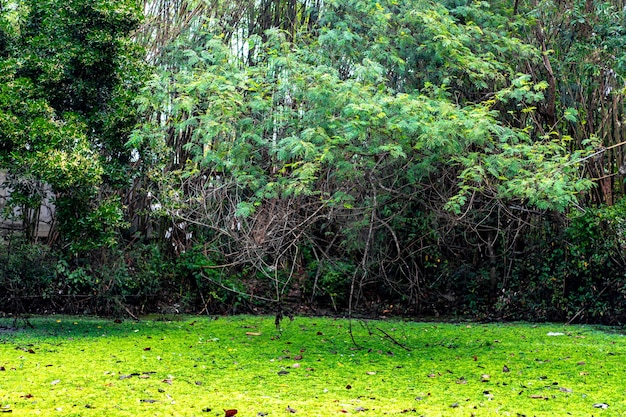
(12, 223)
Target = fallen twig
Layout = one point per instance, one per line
(393, 340)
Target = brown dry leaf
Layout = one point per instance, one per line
(253, 333)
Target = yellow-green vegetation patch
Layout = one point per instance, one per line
(200, 366)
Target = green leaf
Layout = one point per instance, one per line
(571, 115)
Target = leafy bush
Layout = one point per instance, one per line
(205, 285)
(577, 274)
(329, 281)
(33, 277)
(26, 274)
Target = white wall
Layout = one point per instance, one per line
(46, 214)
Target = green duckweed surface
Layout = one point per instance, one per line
(201, 366)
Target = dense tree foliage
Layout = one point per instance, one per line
(341, 151)
(443, 156)
(73, 64)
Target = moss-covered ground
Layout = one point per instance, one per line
(201, 366)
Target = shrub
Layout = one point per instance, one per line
(26, 273)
